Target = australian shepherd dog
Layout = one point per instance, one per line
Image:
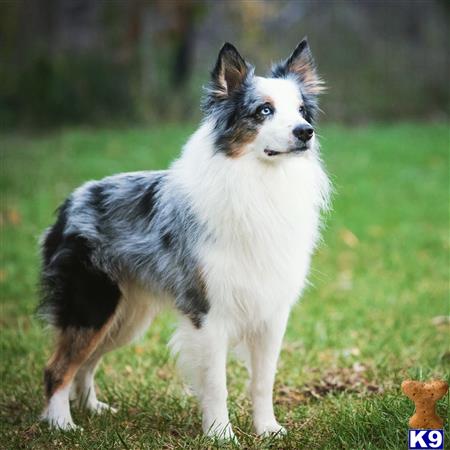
(224, 236)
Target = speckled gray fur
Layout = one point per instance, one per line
(139, 228)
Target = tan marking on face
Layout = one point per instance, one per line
(240, 141)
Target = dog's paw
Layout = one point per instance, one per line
(222, 433)
(98, 407)
(61, 423)
(270, 429)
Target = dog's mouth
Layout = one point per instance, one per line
(295, 151)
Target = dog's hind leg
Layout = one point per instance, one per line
(133, 316)
(74, 347)
(80, 300)
(83, 387)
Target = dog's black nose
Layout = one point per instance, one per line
(303, 132)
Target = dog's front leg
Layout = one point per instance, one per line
(213, 394)
(265, 348)
(202, 357)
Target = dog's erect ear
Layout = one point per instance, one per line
(301, 64)
(229, 72)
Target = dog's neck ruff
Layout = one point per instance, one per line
(241, 192)
(262, 222)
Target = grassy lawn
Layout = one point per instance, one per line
(369, 320)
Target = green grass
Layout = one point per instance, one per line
(379, 278)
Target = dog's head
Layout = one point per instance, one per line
(271, 118)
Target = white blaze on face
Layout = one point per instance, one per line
(276, 131)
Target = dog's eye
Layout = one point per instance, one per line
(265, 110)
(301, 110)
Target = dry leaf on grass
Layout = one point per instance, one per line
(440, 321)
(138, 349)
(133, 411)
(13, 216)
(347, 379)
(164, 373)
(287, 395)
(31, 432)
(348, 238)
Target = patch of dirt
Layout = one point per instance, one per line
(346, 379)
(441, 321)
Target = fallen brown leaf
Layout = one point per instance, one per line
(13, 216)
(439, 321)
(164, 372)
(348, 238)
(31, 433)
(347, 379)
(287, 395)
(138, 350)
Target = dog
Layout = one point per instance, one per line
(224, 236)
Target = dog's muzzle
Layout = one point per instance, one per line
(296, 151)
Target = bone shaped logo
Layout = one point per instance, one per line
(425, 396)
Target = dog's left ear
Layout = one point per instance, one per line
(229, 72)
(301, 64)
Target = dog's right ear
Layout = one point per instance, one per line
(301, 64)
(229, 72)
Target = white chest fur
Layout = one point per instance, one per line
(263, 223)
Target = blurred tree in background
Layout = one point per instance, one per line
(92, 61)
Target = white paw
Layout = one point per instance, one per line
(98, 407)
(270, 429)
(222, 432)
(61, 423)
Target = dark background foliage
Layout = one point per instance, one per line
(87, 61)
